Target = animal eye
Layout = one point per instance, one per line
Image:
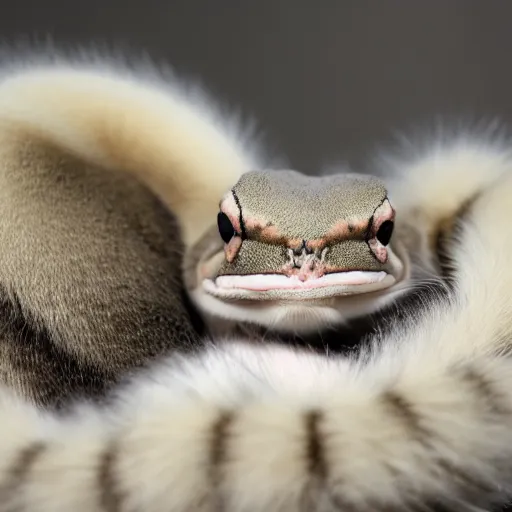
(385, 231)
(226, 229)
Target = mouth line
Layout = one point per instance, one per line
(267, 282)
(261, 286)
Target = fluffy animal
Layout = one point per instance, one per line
(301, 253)
(420, 420)
(110, 189)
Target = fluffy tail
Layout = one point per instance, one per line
(169, 136)
(423, 421)
(432, 182)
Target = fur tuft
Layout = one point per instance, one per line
(145, 121)
(437, 178)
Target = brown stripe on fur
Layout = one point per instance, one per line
(403, 409)
(17, 475)
(465, 487)
(220, 432)
(343, 506)
(315, 448)
(484, 388)
(443, 236)
(318, 469)
(464, 484)
(111, 497)
(410, 504)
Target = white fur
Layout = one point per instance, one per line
(162, 423)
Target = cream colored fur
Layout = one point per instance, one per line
(91, 263)
(172, 137)
(425, 417)
(432, 179)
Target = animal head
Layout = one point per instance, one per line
(301, 252)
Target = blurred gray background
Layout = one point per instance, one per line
(328, 79)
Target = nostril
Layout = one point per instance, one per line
(305, 248)
(300, 250)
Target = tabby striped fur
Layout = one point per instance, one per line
(421, 421)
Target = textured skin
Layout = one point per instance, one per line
(303, 253)
(282, 209)
(325, 199)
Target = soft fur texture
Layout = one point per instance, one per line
(90, 261)
(423, 421)
(432, 178)
(144, 122)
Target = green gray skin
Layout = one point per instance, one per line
(296, 207)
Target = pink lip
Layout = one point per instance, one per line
(267, 282)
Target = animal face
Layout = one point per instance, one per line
(301, 251)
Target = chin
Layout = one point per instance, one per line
(298, 311)
(299, 317)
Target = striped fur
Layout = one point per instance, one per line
(422, 421)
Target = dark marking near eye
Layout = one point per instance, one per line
(350, 228)
(241, 217)
(226, 229)
(385, 231)
(368, 234)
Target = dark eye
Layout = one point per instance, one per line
(385, 231)
(226, 229)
